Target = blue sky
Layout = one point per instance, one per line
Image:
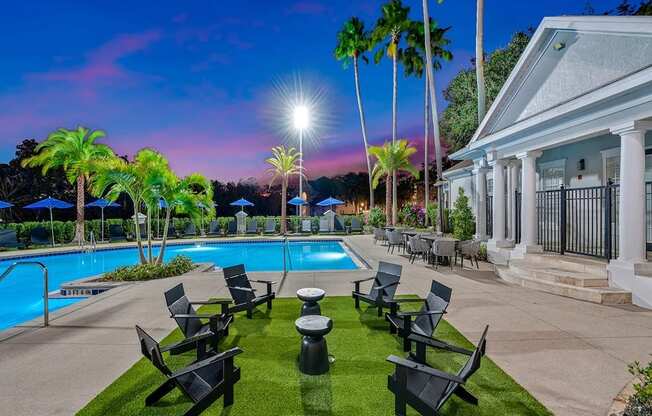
(196, 79)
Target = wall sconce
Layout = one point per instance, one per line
(559, 46)
(581, 165)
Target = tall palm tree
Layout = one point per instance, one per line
(283, 164)
(390, 158)
(77, 152)
(479, 58)
(414, 60)
(391, 25)
(433, 104)
(352, 43)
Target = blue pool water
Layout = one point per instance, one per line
(22, 291)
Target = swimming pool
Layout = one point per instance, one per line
(21, 292)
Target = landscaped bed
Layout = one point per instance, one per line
(271, 383)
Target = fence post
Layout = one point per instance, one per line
(562, 219)
(607, 220)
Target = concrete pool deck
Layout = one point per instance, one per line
(571, 355)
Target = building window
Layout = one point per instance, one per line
(611, 165)
(552, 174)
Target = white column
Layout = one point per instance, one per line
(480, 199)
(498, 199)
(512, 185)
(528, 202)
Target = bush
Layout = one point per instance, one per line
(462, 218)
(412, 216)
(432, 213)
(177, 266)
(640, 403)
(376, 217)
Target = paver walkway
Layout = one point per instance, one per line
(571, 355)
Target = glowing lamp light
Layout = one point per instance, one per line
(301, 117)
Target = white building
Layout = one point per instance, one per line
(564, 154)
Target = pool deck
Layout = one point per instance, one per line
(571, 355)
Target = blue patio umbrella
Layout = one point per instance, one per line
(101, 204)
(329, 202)
(4, 204)
(162, 204)
(50, 204)
(241, 203)
(296, 201)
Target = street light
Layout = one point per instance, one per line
(301, 119)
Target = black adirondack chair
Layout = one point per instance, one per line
(427, 389)
(203, 381)
(421, 330)
(214, 228)
(116, 233)
(244, 296)
(190, 230)
(172, 232)
(39, 236)
(196, 333)
(8, 239)
(383, 288)
(356, 225)
(270, 226)
(232, 228)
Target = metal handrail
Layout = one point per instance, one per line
(46, 316)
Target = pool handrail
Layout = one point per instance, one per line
(44, 269)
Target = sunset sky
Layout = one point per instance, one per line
(195, 79)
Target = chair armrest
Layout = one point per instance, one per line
(435, 343)
(401, 300)
(387, 285)
(212, 302)
(208, 361)
(244, 289)
(263, 281)
(424, 313)
(424, 369)
(186, 341)
(364, 280)
(197, 315)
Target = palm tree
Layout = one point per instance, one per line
(390, 158)
(389, 28)
(284, 163)
(433, 102)
(352, 42)
(479, 58)
(78, 154)
(413, 60)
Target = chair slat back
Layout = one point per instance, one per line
(115, 230)
(395, 237)
(232, 227)
(339, 225)
(190, 229)
(270, 225)
(179, 304)
(438, 299)
(473, 363)
(323, 224)
(214, 227)
(151, 350)
(236, 276)
(306, 226)
(355, 223)
(8, 237)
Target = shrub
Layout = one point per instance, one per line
(432, 213)
(640, 403)
(412, 216)
(376, 217)
(177, 266)
(462, 218)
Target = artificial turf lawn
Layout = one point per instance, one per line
(356, 385)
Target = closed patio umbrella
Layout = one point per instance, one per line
(50, 203)
(101, 204)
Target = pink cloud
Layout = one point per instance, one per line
(102, 64)
(307, 7)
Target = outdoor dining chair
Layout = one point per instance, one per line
(379, 235)
(383, 288)
(470, 249)
(416, 248)
(394, 239)
(197, 334)
(244, 296)
(443, 249)
(203, 381)
(427, 389)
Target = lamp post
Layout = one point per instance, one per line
(301, 117)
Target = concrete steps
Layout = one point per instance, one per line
(577, 278)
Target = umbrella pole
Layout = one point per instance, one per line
(102, 223)
(52, 226)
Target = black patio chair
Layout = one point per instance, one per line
(381, 294)
(244, 296)
(172, 232)
(203, 381)
(395, 239)
(338, 224)
(39, 236)
(270, 226)
(252, 226)
(213, 228)
(324, 225)
(190, 230)
(8, 239)
(306, 227)
(356, 225)
(421, 330)
(116, 233)
(196, 333)
(232, 228)
(427, 389)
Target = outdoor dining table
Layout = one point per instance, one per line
(431, 238)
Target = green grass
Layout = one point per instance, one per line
(271, 383)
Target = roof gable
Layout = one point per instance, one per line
(569, 57)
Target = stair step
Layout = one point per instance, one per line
(601, 295)
(556, 274)
(570, 262)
